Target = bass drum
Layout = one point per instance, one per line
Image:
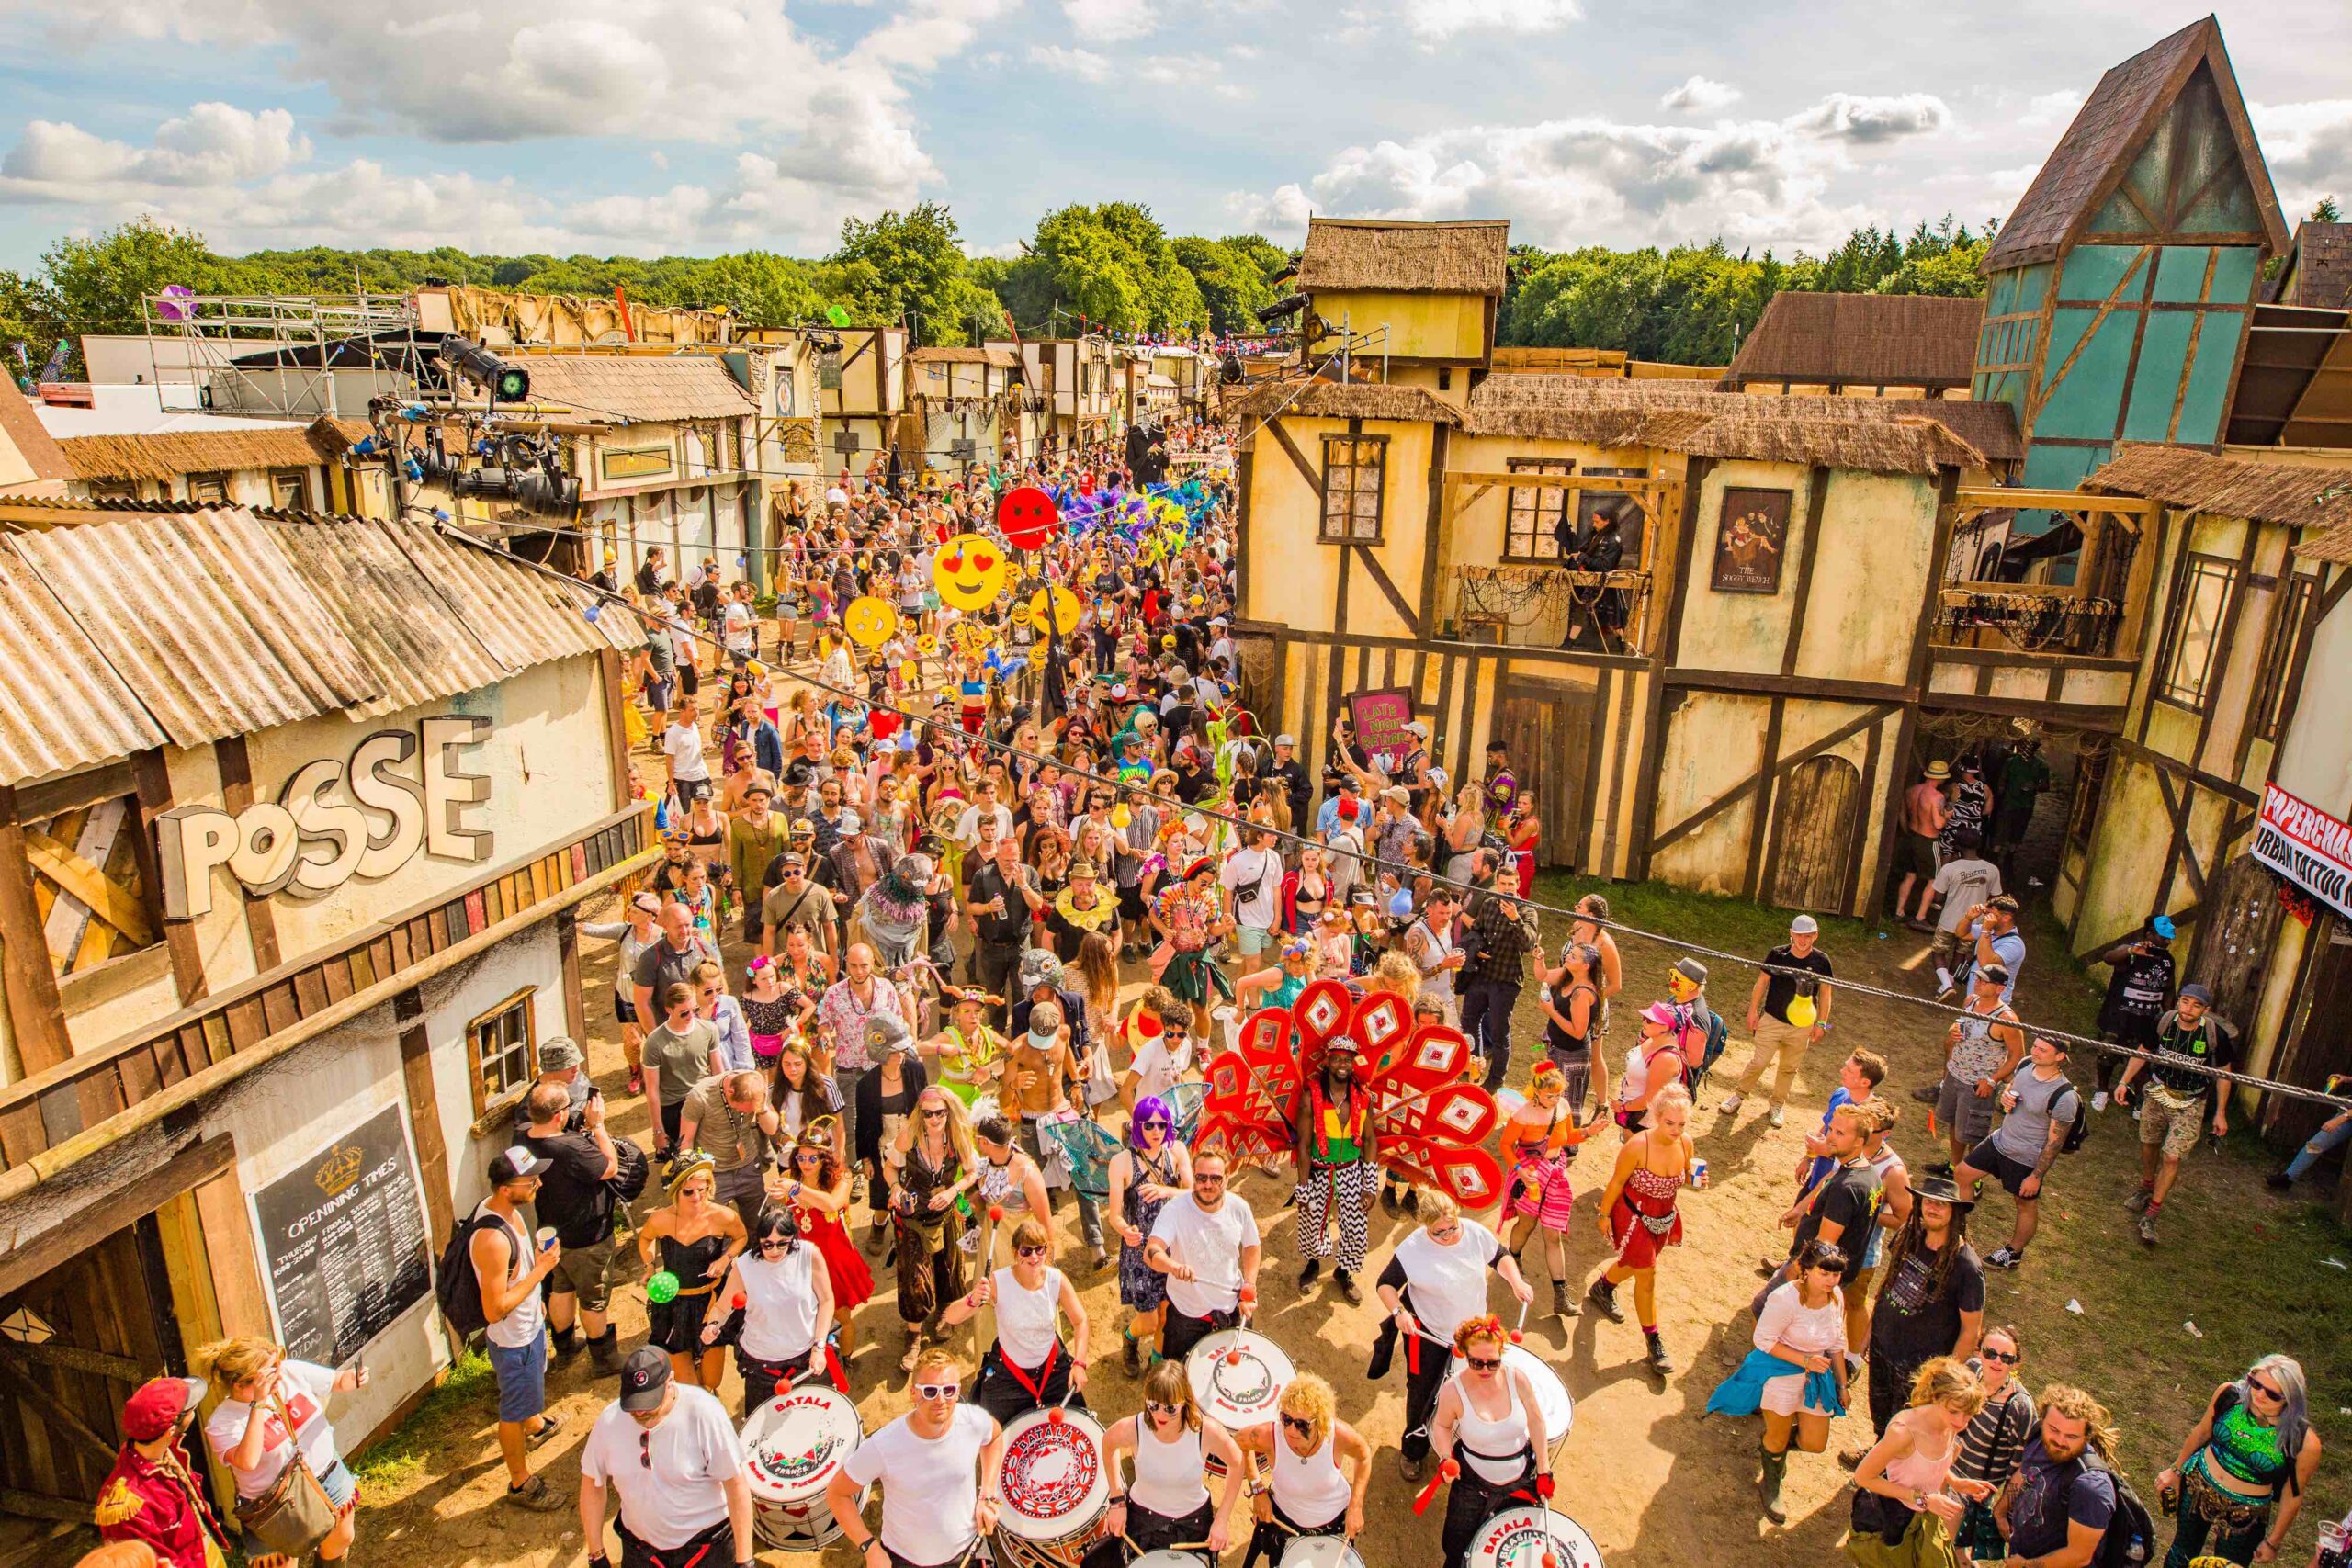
(1551, 1401)
(1057, 1495)
(1320, 1552)
(793, 1447)
(1524, 1538)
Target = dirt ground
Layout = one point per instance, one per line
(1651, 1483)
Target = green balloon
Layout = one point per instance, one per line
(661, 1287)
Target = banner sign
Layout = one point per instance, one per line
(2306, 846)
(1380, 718)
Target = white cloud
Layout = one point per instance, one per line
(2309, 149)
(1109, 21)
(1434, 21)
(1700, 95)
(2052, 109)
(213, 144)
(1868, 120)
(657, 158)
(1081, 64)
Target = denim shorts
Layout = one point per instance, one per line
(522, 1378)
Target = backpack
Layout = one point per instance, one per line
(2077, 1132)
(1708, 1042)
(627, 1183)
(456, 1286)
(2131, 1538)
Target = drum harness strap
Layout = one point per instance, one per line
(1035, 1390)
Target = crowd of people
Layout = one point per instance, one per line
(957, 901)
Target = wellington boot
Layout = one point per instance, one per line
(1776, 1470)
(605, 1352)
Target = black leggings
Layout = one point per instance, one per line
(1152, 1532)
(1421, 1389)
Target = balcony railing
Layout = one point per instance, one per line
(1996, 594)
(2027, 617)
(1517, 604)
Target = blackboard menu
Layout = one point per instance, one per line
(343, 1236)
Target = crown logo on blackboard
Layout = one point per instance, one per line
(339, 1169)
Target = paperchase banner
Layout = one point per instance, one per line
(2306, 846)
(335, 820)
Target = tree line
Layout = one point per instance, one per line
(1111, 267)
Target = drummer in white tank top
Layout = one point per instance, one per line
(1491, 1426)
(1029, 1367)
(787, 1297)
(1320, 1472)
(1167, 1504)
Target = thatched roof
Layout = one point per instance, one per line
(1406, 258)
(1339, 400)
(1876, 434)
(2108, 132)
(1869, 340)
(1001, 355)
(2319, 267)
(615, 390)
(167, 454)
(2296, 494)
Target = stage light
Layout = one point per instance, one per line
(507, 383)
(1289, 305)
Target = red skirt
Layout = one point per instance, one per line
(853, 1282)
(1638, 1246)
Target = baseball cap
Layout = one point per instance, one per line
(804, 829)
(1418, 728)
(1805, 925)
(644, 1376)
(558, 1051)
(513, 1163)
(2196, 993)
(156, 1403)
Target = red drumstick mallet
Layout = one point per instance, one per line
(1445, 1472)
(736, 1300)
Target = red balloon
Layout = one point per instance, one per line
(1028, 517)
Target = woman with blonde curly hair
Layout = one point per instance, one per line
(1319, 1469)
(931, 1164)
(1908, 1504)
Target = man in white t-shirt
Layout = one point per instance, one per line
(984, 803)
(938, 1465)
(1160, 1047)
(1207, 1243)
(671, 1454)
(681, 743)
(1252, 876)
(738, 627)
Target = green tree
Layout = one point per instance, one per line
(1112, 264)
(908, 266)
(1232, 280)
(2324, 210)
(763, 288)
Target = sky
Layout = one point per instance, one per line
(699, 126)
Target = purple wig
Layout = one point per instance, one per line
(1150, 1108)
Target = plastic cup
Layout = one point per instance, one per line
(546, 1237)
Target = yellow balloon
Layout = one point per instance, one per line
(1066, 609)
(1121, 816)
(870, 620)
(907, 671)
(756, 669)
(927, 644)
(1037, 652)
(969, 571)
(1021, 616)
(1801, 1012)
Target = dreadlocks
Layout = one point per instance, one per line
(1913, 1238)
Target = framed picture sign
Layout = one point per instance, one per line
(1751, 541)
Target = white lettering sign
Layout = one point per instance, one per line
(333, 821)
(2306, 846)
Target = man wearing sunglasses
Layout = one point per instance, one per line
(671, 1454)
(1208, 1246)
(938, 1465)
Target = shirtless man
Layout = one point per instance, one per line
(1925, 812)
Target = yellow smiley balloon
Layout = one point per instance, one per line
(1065, 608)
(927, 644)
(1021, 615)
(870, 620)
(969, 571)
(1037, 653)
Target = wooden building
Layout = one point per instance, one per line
(861, 392)
(2119, 288)
(1423, 295)
(288, 880)
(964, 407)
(1901, 346)
(2317, 270)
(286, 467)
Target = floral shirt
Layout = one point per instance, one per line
(840, 1013)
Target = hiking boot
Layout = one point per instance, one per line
(2005, 1258)
(605, 1352)
(1130, 1356)
(1412, 1466)
(1731, 1103)
(2138, 1202)
(1309, 1274)
(2279, 1181)
(1604, 1295)
(1563, 1304)
(1941, 1168)
(2148, 1226)
(874, 1235)
(1661, 1363)
(536, 1496)
(1388, 1198)
(1413, 1197)
(1347, 1284)
(1776, 1468)
(564, 1342)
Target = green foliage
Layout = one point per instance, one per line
(1231, 277)
(2325, 211)
(1112, 264)
(909, 266)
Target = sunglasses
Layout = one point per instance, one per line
(935, 1111)
(1300, 1425)
(937, 1391)
(645, 1450)
(2266, 1390)
(773, 1244)
(2007, 1358)
(1483, 1363)
(1030, 1251)
(1209, 1178)
(1156, 1408)
(1156, 1126)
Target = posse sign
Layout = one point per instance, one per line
(2306, 846)
(333, 821)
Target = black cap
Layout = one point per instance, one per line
(644, 1376)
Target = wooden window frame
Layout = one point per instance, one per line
(1353, 464)
(301, 478)
(487, 1103)
(2091, 767)
(2283, 655)
(1542, 509)
(2165, 684)
(218, 479)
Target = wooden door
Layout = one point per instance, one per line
(73, 1345)
(1815, 815)
(2321, 1038)
(1549, 731)
(2236, 926)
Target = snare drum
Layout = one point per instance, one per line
(1238, 1375)
(793, 1446)
(1056, 1496)
(1551, 1401)
(1521, 1538)
(1170, 1560)
(1319, 1552)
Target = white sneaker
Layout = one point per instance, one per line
(2099, 1101)
(1943, 979)
(1731, 1103)
(1780, 1115)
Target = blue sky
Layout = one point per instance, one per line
(696, 126)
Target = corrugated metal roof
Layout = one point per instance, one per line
(62, 707)
(184, 627)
